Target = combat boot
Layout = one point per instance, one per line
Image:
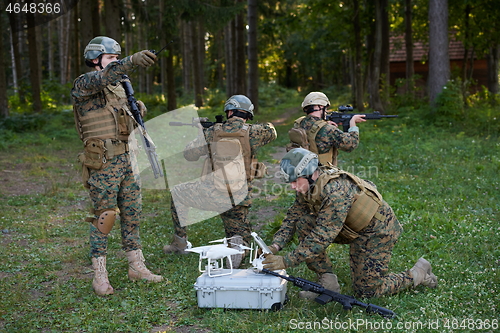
(137, 270)
(100, 283)
(179, 245)
(236, 259)
(326, 280)
(422, 274)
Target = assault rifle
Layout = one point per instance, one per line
(326, 295)
(343, 118)
(149, 146)
(203, 121)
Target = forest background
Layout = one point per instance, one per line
(437, 164)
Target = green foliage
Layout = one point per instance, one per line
(449, 104)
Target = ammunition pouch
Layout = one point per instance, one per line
(258, 169)
(94, 154)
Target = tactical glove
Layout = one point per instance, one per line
(274, 263)
(142, 108)
(273, 249)
(143, 58)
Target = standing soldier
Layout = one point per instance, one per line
(204, 194)
(334, 206)
(323, 137)
(104, 122)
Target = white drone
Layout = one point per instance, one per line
(213, 253)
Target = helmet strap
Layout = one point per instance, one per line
(99, 63)
(240, 114)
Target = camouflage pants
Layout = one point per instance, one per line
(203, 196)
(111, 187)
(321, 263)
(370, 255)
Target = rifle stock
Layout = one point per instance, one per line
(326, 296)
(149, 147)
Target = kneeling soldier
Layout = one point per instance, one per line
(334, 206)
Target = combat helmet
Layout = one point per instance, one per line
(298, 162)
(239, 102)
(101, 45)
(315, 98)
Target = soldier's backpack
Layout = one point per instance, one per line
(230, 159)
(300, 138)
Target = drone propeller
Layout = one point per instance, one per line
(241, 246)
(224, 240)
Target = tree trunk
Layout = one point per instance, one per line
(187, 53)
(4, 107)
(358, 65)
(385, 68)
(229, 55)
(241, 66)
(96, 14)
(410, 69)
(493, 68)
(374, 75)
(86, 28)
(16, 57)
(439, 61)
(197, 71)
(171, 94)
(35, 78)
(253, 60)
(63, 24)
(113, 20)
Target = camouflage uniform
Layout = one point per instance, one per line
(113, 186)
(319, 226)
(330, 136)
(204, 196)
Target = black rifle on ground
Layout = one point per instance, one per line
(343, 118)
(148, 146)
(203, 121)
(326, 296)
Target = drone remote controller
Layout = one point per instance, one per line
(260, 242)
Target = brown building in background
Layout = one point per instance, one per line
(397, 59)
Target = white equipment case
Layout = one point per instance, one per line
(243, 289)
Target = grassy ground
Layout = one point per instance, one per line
(442, 184)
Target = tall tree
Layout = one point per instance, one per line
(358, 57)
(376, 59)
(15, 31)
(253, 58)
(439, 61)
(4, 110)
(35, 78)
(410, 68)
(241, 55)
(112, 19)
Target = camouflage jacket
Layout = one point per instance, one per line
(88, 89)
(331, 136)
(330, 214)
(260, 135)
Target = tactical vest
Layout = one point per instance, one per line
(299, 137)
(364, 208)
(111, 124)
(243, 136)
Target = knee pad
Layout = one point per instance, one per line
(106, 220)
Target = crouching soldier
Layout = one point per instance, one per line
(334, 206)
